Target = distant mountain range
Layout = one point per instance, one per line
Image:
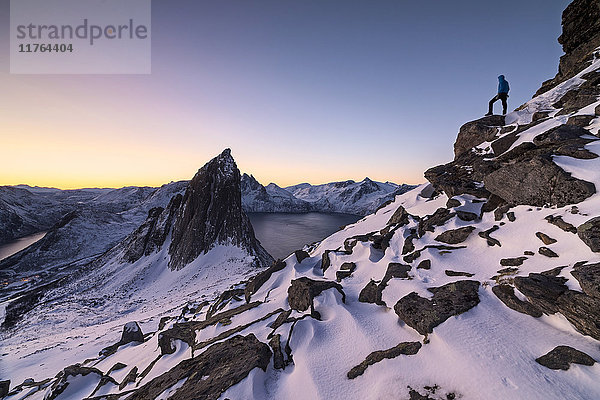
(359, 198)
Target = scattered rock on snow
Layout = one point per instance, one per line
(346, 269)
(561, 357)
(449, 272)
(4, 387)
(301, 255)
(406, 348)
(303, 290)
(490, 240)
(541, 290)
(400, 217)
(451, 299)
(275, 343)
(588, 276)
(547, 252)
(371, 293)
(545, 238)
(512, 262)
(455, 236)
(425, 264)
(560, 223)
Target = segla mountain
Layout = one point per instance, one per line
(481, 284)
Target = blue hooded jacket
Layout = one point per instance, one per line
(502, 85)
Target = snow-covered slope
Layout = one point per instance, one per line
(463, 288)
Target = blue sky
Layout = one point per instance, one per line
(300, 90)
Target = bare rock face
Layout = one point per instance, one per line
(451, 299)
(455, 236)
(211, 213)
(561, 357)
(537, 182)
(589, 233)
(580, 37)
(476, 132)
(303, 290)
(212, 372)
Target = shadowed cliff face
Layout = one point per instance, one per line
(211, 214)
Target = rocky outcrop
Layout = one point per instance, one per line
(579, 39)
(588, 276)
(404, 348)
(70, 375)
(257, 281)
(455, 236)
(131, 333)
(476, 132)
(538, 182)
(506, 294)
(211, 213)
(589, 233)
(209, 374)
(451, 299)
(561, 357)
(303, 291)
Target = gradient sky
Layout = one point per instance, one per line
(301, 91)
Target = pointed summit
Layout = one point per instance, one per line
(211, 214)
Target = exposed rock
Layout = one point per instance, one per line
(408, 243)
(455, 236)
(504, 143)
(561, 357)
(301, 255)
(582, 311)
(346, 269)
(560, 223)
(466, 216)
(490, 240)
(409, 258)
(406, 348)
(303, 290)
(588, 276)
(129, 378)
(62, 379)
(449, 272)
(425, 264)
(559, 135)
(476, 132)
(541, 290)
(451, 203)
(547, 252)
(211, 213)
(4, 387)
(371, 293)
(275, 343)
(396, 270)
(451, 299)
(547, 240)
(506, 294)
(325, 261)
(132, 333)
(537, 181)
(212, 372)
(512, 262)
(438, 218)
(529, 253)
(400, 217)
(257, 281)
(540, 115)
(589, 232)
(511, 216)
(580, 120)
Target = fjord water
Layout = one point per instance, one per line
(282, 233)
(8, 249)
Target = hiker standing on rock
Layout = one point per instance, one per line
(503, 89)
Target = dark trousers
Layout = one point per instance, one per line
(499, 96)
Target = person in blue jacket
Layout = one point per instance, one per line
(503, 89)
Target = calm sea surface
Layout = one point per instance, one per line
(282, 233)
(8, 249)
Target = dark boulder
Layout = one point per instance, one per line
(438, 218)
(559, 135)
(396, 270)
(450, 272)
(582, 311)
(451, 299)
(547, 252)
(538, 182)
(541, 290)
(301, 255)
(466, 216)
(547, 240)
(512, 262)
(490, 240)
(209, 374)
(404, 348)
(400, 217)
(346, 269)
(303, 290)
(476, 132)
(275, 344)
(425, 264)
(132, 333)
(561, 357)
(588, 276)
(257, 281)
(506, 294)
(580, 120)
(560, 223)
(589, 233)
(371, 293)
(455, 236)
(4, 388)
